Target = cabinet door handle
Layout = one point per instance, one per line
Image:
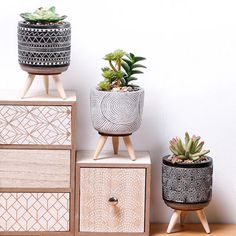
(113, 201)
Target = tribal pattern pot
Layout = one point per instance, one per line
(187, 183)
(116, 113)
(44, 49)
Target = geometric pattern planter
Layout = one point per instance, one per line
(44, 49)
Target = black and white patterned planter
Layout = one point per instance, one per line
(116, 113)
(189, 184)
(44, 49)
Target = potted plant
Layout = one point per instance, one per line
(116, 105)
(187, 179)
(44, 41)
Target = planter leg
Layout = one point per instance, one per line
(202, 217)
(115, 142)
(183, 217)
(101, 142)
(173, 220)
(46, 84)
(28, 83)
(59, 86)
(129, 147)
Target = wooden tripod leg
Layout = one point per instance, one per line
(173, 220)
(101, 142)
(59, 86)
(183, 217)
(46, 83)
(115, 142)
(129, 147)
(28, 83)
(202, 217)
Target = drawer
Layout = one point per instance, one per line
(34, 168)
(44, 125)
(34, 211)
(98, 185)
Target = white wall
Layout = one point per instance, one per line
(190, 48)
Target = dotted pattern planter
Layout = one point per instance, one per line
(188, 184)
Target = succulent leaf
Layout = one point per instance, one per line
(187, 138)
(173, 150)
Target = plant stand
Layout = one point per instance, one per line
(115, 142)
(181, 211)
(56, 79)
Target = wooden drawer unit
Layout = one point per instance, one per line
(37, 164)
(34, 168)
(112, 194)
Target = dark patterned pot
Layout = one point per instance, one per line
(44, 49)
(116, 113)
(187, 184)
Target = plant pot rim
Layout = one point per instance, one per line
(26, 24)
(117, 92)
(207, 163)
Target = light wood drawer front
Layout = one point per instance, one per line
(34, 211)
(97, 185)
(34, 168)
(44, 125)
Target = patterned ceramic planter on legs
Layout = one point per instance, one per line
(116, 113)
(44, 49)
(186, 183)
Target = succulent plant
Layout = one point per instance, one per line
(191, 149)
(122, 67)
(43, 15)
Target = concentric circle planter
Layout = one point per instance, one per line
(44, 49)
(186, 183)
(116, 113)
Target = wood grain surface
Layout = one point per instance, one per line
(194, 230)
(34, 168)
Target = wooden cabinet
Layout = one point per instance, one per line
(112, 194)
(37, 164)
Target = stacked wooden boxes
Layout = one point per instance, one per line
(37, 164)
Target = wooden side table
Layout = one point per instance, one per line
(37, 164)
(112, 194)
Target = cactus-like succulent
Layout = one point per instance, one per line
(191, 149)
(43, 15)
(122, 68)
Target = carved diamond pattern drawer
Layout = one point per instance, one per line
(34, 212)
(45, 125)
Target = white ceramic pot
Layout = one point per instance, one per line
(116, 113)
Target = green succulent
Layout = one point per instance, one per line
(190, 149)
(122, 67)
(43, 15)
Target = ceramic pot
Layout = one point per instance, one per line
(116, 113)
(187, 184)
(44, 49)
